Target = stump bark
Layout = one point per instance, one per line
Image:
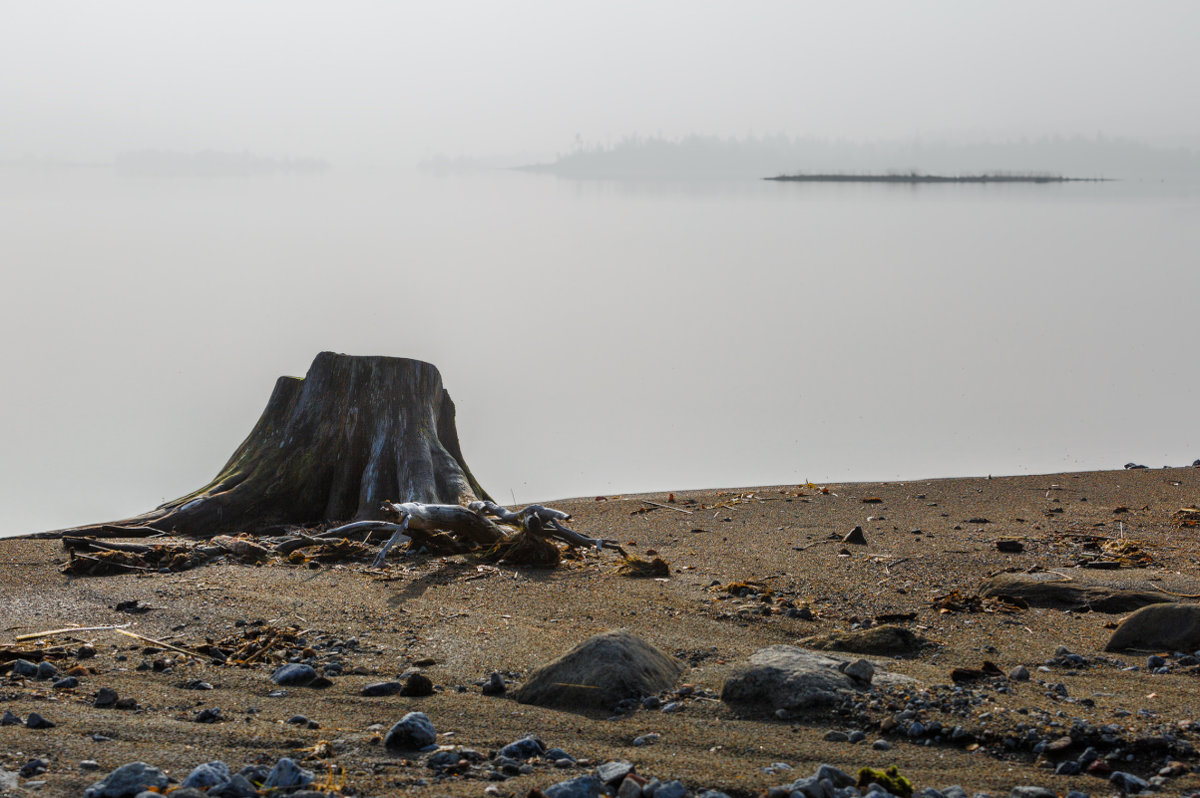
(331, 447)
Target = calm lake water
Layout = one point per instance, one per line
(597, 337)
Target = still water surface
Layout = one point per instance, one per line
(597, 337)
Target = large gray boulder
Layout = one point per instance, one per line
(1050, 590)
(1159, 627)
(600, 672)
(791, 678)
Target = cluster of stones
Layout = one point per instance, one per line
(211, 780)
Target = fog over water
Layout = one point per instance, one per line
(598, 335)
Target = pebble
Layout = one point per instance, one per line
(1155, 661)
(89, 764)
(33, 767)
(412, 732)
(651, 702)
(66, 684)
(881, 745)
(46, 670)
(105, 697)
(10, 718)
(1019, 674)
(647, 739)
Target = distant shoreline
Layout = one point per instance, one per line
(920, 178)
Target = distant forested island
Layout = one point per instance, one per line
(917, 177)
(212, 163)
(753, 157)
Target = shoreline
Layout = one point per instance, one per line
(457, 621)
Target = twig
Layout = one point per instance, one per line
(68, 630)
(666, 506)
(160, 643)
(114, 562)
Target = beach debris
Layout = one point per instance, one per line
(600, 672)
(1159, 627)
(856, 537)
(890, 780)
(1050, 589)
(957, 601)
(1188, 516)
(636, 567)
(884, 640)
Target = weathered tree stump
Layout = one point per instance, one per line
(331, 447)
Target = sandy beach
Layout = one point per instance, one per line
(458, 620)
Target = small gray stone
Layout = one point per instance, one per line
(527, 747)
(837, 776)
(881, 745)
(671, 789)
(377, 689)
(237, 787)
(412, 732)
(10, 718)
(294, 674)
(34, 767)
(287, 773)
(128, 780)
(578, 787)
(713, 794)
(630, 788)
(861, 670)
(836, 736)
(24, 667)
(89, 764)
(495, 685)
(105, 697)
(1076, 794)
(210, 774)
(930, 792)
(614, 772)
(1032, 791)
(1128, 782)
(417, 685)
(68, 683)
(36, 721)
(1019, 674)
(954, 791)
(647, 739)
(46, 670)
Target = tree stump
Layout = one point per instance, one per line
(334, 446)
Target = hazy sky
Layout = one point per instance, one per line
(395, 81)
